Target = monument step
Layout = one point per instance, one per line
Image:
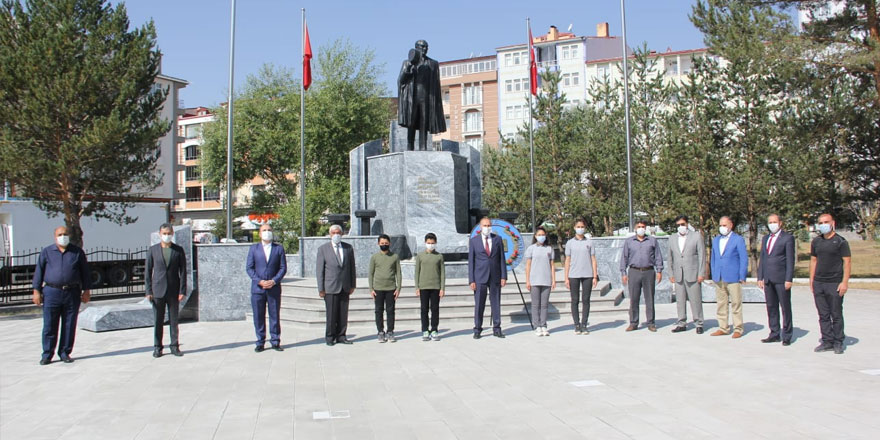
(308, 287)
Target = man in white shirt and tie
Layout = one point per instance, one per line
(775, 273)
(337, 279)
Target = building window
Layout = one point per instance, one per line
(508, 112)
(448, 125)
(570, 52)
(192, 152)
(193, 173)
(571, 79)
(671, 68)
(508, 85)
(516, 60)
(193, 131)
(507, 59)
(212, 194)
(517, 112)
(194, 194)
(475, 142)
(446, 96)
(472, 94)
(602, 71)
(473, 121)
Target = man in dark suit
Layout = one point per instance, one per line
(337, 279)
(266, 266)
(775, 273)
(487, 270)
(165, 280)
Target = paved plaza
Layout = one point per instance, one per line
(606, 385)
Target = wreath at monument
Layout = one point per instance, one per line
(513, 241)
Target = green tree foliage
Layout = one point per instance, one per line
(79, 112)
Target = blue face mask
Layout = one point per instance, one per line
(825, 228)
(540, 238)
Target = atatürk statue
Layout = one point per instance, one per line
(420, 105)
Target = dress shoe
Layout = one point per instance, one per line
(737, 335)
(699, 330)
(259, 348)
(277, 347)
(631, 327)
(838, 349)
(157, 353)
(679, 329)
(498, 334)
(343, 340)
(769, 340)
(823, 347)
(719, 333)
(652, 328)
(786, 343)
(66, 359)
(331, 342)
(176, 351)
(477, 335)
(45, 361)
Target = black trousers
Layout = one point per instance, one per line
(777, 295)
(59, 305)
(579, 285)
(337, 315)
(170, 302)
(430, 299)
(384, 302)
(641, 281)
(494, 293)
(829, 304)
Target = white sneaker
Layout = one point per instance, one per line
(545, 331)
(538, 331)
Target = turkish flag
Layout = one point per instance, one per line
(533, 66)
(307, 60)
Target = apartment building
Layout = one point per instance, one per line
(470, 101)
(562, 52)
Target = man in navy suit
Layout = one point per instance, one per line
(775, 273)
(730, 264)
(487, 270)
(266, 266)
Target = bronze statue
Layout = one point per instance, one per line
(420, 106)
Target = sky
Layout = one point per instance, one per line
(193, 35)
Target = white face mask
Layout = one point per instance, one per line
(336, 238)
(166, 238)
(485, 231)
(430, 246)
(724, 230)
(683, 230)
(825, 228)
(773, 227)
(640, 232)
(541, 238)
(579, 231)
(266, 235)
(62, 240)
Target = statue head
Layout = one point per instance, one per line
(422, 46)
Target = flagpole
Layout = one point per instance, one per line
(531, 137)
(629, 187)
(302, 154)
(230, 195)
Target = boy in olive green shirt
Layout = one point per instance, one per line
(384, 276)
(430, 278)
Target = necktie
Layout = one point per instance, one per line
(486, 243)
(770, 242)
(339, 253)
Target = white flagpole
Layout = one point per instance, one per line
(302, 153)
(531, 140)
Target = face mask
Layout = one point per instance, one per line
(62, 240)
(541, 238)
(773, 227)
(579, 231)
(683, 230)
(266, 235)
(430, 246)
(384, 247)
(166, 238)
(485, 231)
(825, 228)
(336, 238)
(724, 230)
(640, 232)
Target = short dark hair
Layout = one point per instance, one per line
(535, 237)
(385, 236)
(642, 222)
(166, 226)
(681, 217)
(430, 236)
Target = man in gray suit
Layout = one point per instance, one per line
(165, 280)
(775, 275)
(337, 279)
(687, 258)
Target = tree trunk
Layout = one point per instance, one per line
(71, 221)
(753, 244)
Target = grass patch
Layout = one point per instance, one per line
(865, 260)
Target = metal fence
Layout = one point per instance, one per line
(116, 273)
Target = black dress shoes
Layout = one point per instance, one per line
(176, 351)
(498, 334)
(823, 347)
(344, 340)
(45, 361)
(770, 340)
(330, 342)
(259, 348)
(786, 342)
(277, 348)
(699, 330)
(679, 329)
(157, 353)
(66, 359)
(477, 335)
